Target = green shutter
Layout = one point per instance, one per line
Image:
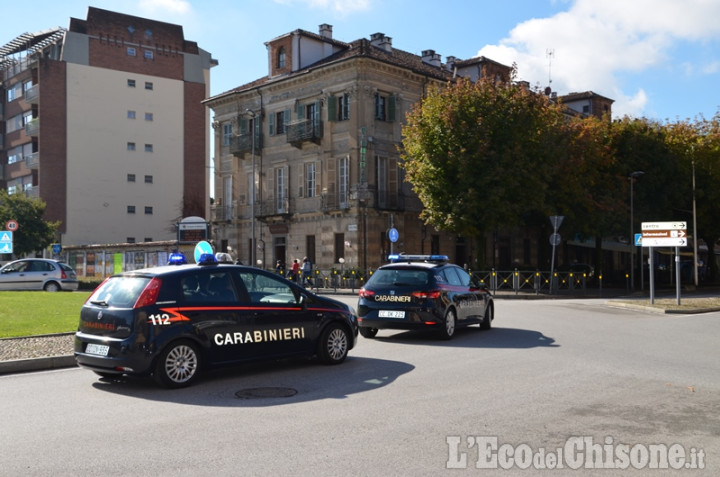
(300, 111)
(391, 108)
(243, 126)
(332, 108)
(271, 125)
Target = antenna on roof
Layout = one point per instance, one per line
(549, 54)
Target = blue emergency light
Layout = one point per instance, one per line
(177, 258)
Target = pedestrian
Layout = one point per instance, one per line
(295, 269)
(280, 268)
(307, 272)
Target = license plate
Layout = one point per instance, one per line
(391, 314)
(96, 349)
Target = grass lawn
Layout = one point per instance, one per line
(26, 313)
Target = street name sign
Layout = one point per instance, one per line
(664, 234)
(678, 225)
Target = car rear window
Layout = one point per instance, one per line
(120, 291)
(399, 277)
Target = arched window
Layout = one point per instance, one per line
(281, 57)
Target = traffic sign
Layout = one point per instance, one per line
(11, 225)
(667, 237)
(678, 225)
(393, 234)
(555, 239)
(6, 236)
(638, 240)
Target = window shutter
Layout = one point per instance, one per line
(332, 108)
(316, 111)
(301, 180)
(392, 178)
(300, 111)
(243, 126)
(286, 119)
(391, 108)
(271, 124)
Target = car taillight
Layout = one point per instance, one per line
(366, 293)
(63, 275)
(149, 294)
(427, 295)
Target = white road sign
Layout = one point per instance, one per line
(678, 225)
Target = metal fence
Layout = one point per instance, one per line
(515, 281)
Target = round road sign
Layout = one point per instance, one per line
(555, 239)
(11, 225)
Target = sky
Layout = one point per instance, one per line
(658, 59)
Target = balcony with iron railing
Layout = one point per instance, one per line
(274, 207)
(32, 161)
(241, 145)
(308, 130)
(32, 94)
(223, 213)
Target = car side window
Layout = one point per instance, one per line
(208, 287)
(268, 289)
(452, 277)
(465, 279)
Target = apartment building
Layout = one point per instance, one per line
(104, 121)
(306, 158)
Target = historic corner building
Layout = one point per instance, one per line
(104, 121)
(306, 158)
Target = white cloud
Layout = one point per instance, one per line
(173, 7)
(593, 43)
(342, 7)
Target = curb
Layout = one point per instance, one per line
(37, 364)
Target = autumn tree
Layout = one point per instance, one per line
(33, 233)
(480, 155)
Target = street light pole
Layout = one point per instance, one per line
(695, 245)
(252, 186)
(632, 178)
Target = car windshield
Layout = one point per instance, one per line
(399, 277)
(120, 292)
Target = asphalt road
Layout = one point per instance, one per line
(555, 382)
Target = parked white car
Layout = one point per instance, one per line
(38, 274)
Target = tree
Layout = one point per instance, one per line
(33, 233)
(480, 155)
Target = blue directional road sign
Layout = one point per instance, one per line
(393, 234)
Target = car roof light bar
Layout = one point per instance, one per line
(417, 258)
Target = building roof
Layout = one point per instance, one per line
(361, 48)
(31, 42)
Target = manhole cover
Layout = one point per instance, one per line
(255, 393)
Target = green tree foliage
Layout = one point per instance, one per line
(480, 155)
(33, 233)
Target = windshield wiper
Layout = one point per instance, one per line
(99, 302)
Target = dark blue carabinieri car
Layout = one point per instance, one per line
(417, 292)
(174, 321)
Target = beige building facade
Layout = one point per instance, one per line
(307, 158)
(104, 121)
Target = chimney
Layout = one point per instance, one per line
(326, 31)
(450, 63)
(381, 41)
(431, 58)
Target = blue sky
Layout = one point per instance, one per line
(658, 59)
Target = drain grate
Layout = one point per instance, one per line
(268, 392)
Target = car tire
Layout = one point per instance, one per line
(334, 344)
(51, 287)
(450, 324)
(368, 332)
(486, 322)
(178, 365)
